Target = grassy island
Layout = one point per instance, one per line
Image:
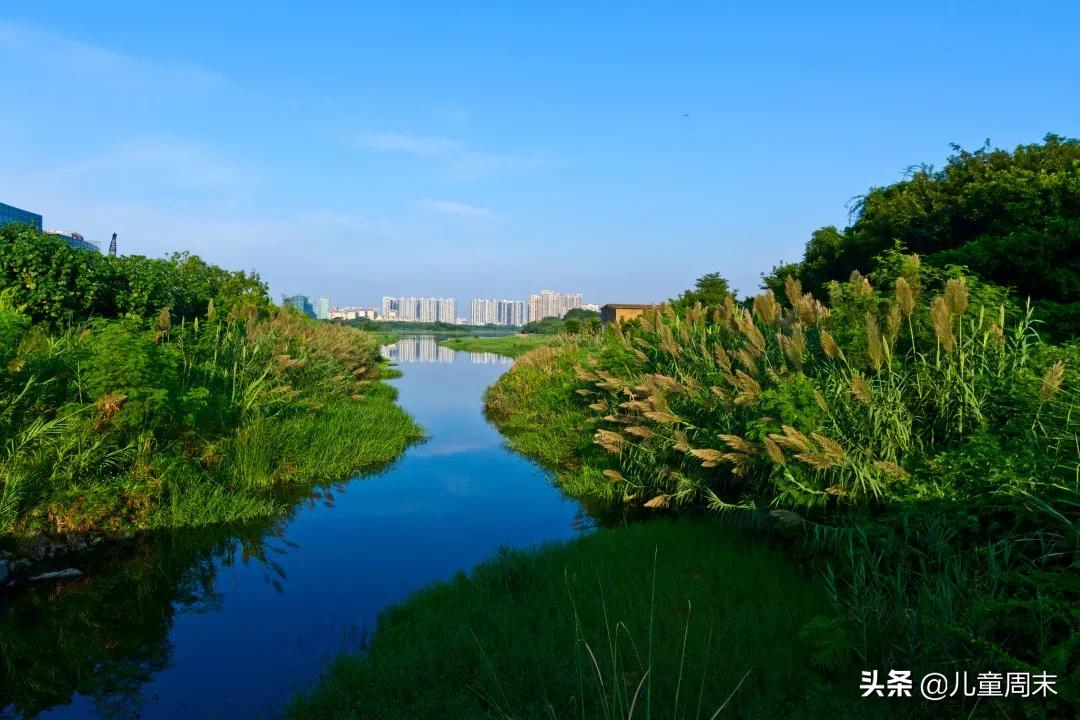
(508, 345)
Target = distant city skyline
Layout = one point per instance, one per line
(481, 311)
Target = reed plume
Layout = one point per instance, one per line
(941, 317)
(956, 295)
(794, 345)
(860, 389)
(892, 324)
(610, 441)
(1051, 382)
(830, 347)
(860, 285)
(658, 502)
(640, 431)
(766, 308)
(905, 296)
(749, 389)
(793, 289)
(614, 476)
(874, 347)
(749, 330)
(773, 451)
(709, 457)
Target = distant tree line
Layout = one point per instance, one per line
(575, 321)
(51, 281)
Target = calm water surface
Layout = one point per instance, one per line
(228, 623)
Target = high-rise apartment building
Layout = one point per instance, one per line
(510, 312)
(322, 310)
(550, 303)
(497, 312)
(389, 308)
(482, 312)
(448, 310)
(422, 309)
(429, 310)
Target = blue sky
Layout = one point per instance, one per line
(485, 149)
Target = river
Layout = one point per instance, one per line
(228, 623)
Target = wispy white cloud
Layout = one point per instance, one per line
(453, 116)
(350, 222)
(157, 161)
(459, 161)
(412, 144)
(80, 62)
(453, 207)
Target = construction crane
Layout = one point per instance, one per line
(112, 246)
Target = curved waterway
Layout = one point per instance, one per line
(228, 623)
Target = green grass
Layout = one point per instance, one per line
(508, 345)
(384, 337)
(679, 614)
(537, 408)
(114, 426)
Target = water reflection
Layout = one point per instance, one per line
(106, 635)
(228, 622)
(426, 349)
(486, 358)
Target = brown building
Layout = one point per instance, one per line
(617, 312)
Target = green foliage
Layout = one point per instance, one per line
(1012, 218)
(537, 408)
(576, 321)
(133, 418)
(547, 326)
(508, 345)
(13, 327)
(54, 282)
(666, 619)
(709, 290)
(917, 444)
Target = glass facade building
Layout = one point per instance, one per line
(75, 240)
(10, 214)
(301, 303)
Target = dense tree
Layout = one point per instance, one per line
(1012, 218)
(576, 320)
(709, 289)
(53, 282)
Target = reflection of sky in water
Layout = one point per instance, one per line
(448, 504)
(426, 349)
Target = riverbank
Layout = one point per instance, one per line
(782, 428)
(437, 329)
(677, 619)
(508, 345)
(138, 628)
(125, 416)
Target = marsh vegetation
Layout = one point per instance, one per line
(141, 393)
(508, 345)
